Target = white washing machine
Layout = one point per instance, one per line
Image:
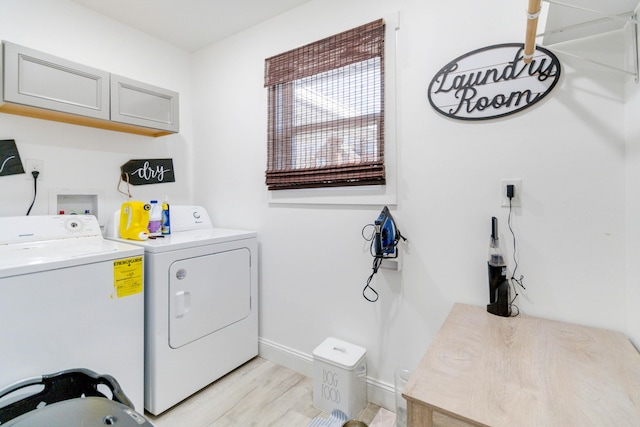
(70, 299)
(201, 305)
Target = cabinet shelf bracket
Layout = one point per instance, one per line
(616, 17)
(626, 18)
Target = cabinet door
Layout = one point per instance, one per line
(207, 294)
(141, 104)
(37, 79)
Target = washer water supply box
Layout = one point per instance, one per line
(339, 377)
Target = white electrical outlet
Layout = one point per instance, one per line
(516, 201)
(33, 165)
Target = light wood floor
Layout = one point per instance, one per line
(260, 393)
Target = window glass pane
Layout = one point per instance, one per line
(351, 91)
(336, 147)
(336, 116)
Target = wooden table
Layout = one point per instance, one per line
(485, 370)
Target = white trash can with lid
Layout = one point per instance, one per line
(339, 377)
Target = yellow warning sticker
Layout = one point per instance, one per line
(127, 274)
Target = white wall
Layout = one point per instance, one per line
(569, 152)
(632, 301)
(79, 157)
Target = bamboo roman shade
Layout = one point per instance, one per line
(326, 112)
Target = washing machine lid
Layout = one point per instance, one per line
(32, 244)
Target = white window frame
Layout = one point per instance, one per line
(367, 194)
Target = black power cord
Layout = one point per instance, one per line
(376, 265)
(35, 189)
(513, 280)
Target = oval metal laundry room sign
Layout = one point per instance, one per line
(493, 82)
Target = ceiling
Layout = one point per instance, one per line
(191, 24)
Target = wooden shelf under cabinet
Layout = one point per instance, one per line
(39, 113)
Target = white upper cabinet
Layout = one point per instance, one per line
(141, 104)
(40, 80)
(40, 85)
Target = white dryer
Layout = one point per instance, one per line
(201, 305)
(70, 299)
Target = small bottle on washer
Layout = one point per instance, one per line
(155, 219)
(166, 218)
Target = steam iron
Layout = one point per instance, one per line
(387, 235)
(384, 244)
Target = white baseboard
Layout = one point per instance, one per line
(378, 392)
(381, 394)
(286, 356)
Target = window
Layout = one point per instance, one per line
(326, 112)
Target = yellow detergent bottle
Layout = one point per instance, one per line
(134, 220)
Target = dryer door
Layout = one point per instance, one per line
(208, 293)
